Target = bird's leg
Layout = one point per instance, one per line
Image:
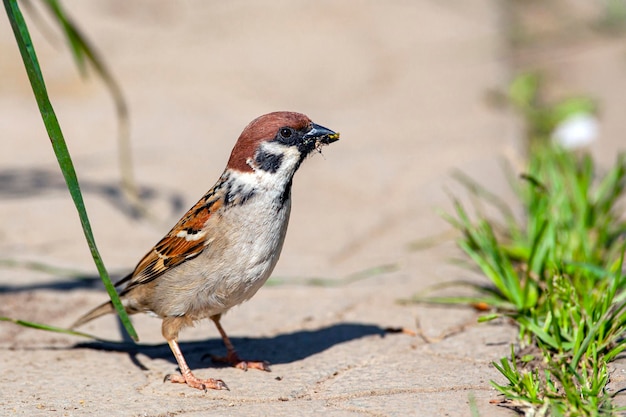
(170, 328)
(232, 357)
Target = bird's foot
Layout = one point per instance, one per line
(232, 358)
(193, 382)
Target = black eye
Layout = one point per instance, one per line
(286, 132)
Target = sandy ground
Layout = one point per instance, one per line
(404, 82)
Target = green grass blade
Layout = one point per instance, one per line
(55, 329)
(542, 334)
(46, 327)
(35, 77)
(72, 35)
(84, 52)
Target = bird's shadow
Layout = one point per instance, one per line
(281, 349)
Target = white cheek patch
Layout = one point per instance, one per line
(281, 163)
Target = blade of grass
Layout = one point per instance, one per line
(55, 329)
(83, 51)
(35, 77)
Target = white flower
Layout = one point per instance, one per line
(576, 131)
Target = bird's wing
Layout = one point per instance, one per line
(185, 241)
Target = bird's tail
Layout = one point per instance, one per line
(101, 310)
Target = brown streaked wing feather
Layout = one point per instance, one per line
(173, 250)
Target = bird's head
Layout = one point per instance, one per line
(277, 143)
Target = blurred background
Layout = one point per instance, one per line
(410, 86)
(418, 91)
(416, 88)
(404, 83)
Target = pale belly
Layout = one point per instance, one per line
(230, 270)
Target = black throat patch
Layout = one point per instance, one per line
(268, 161)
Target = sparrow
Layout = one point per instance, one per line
(225, 247)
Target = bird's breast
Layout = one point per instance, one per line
(246, 245)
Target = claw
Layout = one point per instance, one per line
(260, 365)
(186, 376)
(193, 382)
(222, 385)
(234, 360)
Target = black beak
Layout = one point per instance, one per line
(321, 134)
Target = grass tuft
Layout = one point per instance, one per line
(557, 272)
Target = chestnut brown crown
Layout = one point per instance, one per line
(273, 127)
